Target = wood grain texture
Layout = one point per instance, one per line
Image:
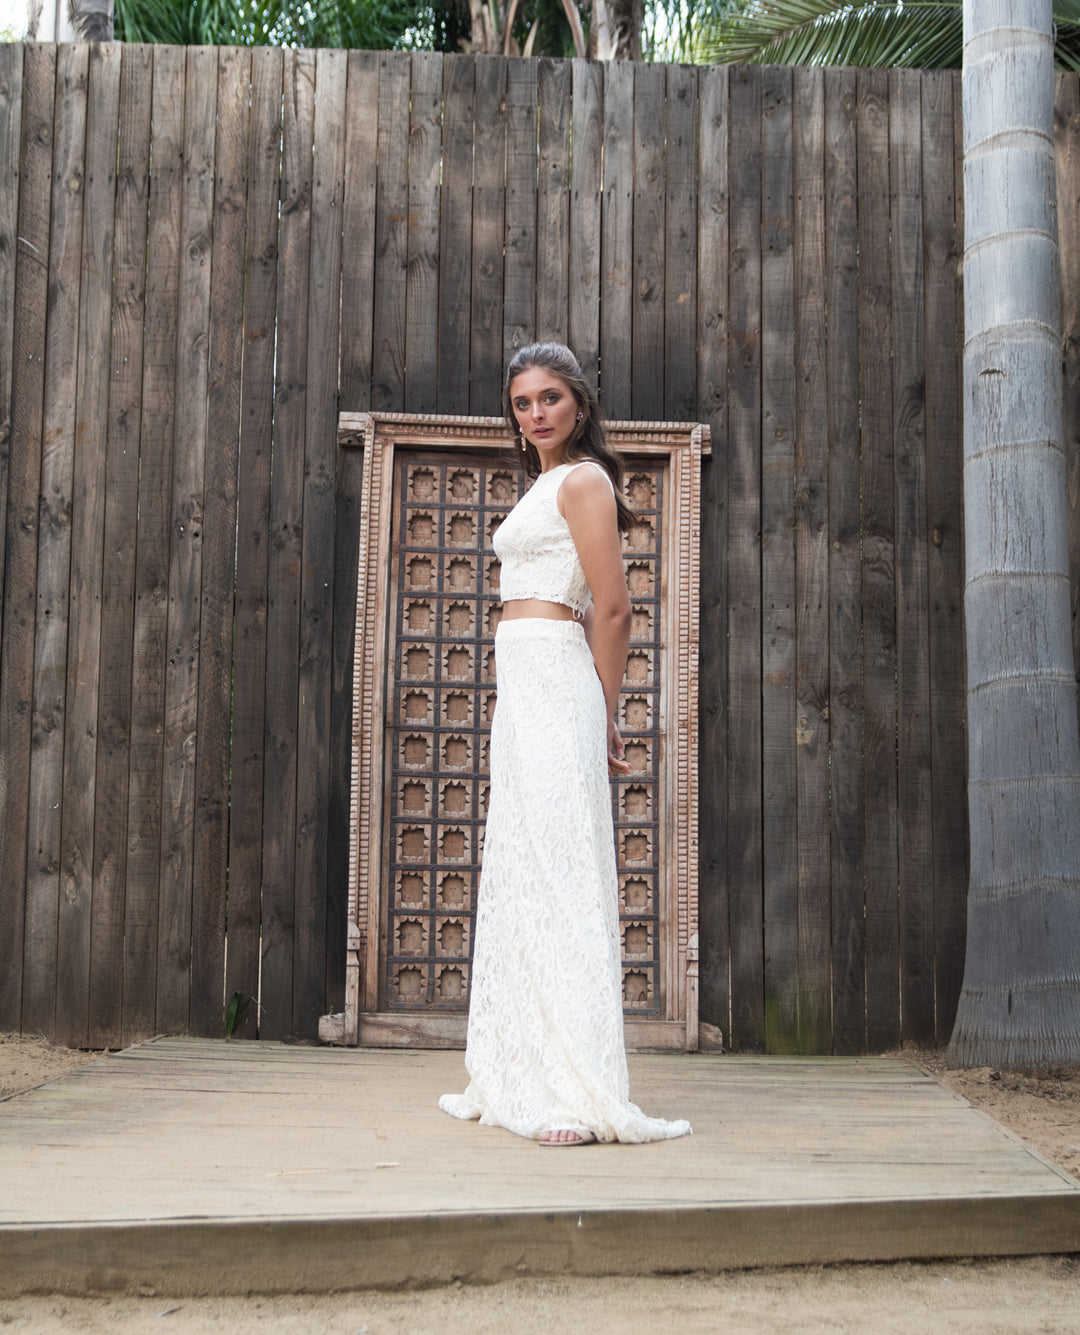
(19, 613)
(121, 501)
(552, 202)
(780, 857)
(712, 384)
(252, 520)
(210, 852)
(358, 221)
(617, 250)
(649, 243)
(680, 246)
(814, 934)
(586, 215)
(488, 231)
(422, 280)
(942, 247)
(156, 438)
(744, 610)
(48, 623)
(456, 234)
(519, 271)
(878, 589)
(391, 234)
(846, 794)
(285, 554)
(11, 95)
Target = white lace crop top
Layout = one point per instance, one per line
(535, 549)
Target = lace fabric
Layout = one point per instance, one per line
(536, 549)
(545, 1043)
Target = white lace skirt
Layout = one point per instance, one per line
(545, 1045)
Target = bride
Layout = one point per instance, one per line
(545, 1052)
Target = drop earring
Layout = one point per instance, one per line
(522, 442)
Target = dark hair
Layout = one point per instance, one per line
(587, 440)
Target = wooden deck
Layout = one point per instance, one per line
(196, 1166)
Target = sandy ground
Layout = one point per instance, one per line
(1028, 1294)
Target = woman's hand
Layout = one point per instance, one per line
(616, 751)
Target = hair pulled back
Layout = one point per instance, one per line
(588, 440)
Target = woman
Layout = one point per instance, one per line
(545, 1050)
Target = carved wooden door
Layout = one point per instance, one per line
(429, 668)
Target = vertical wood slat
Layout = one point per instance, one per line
(186, 539)
(846, 795)
(11, 96)
(878, 590)
(49, 627)
(253, 505)
(391, 235)
(421, 289)
(744, 828)
(649, 243)
(914, 825)
(36, 139)
(712, 352)
(586, 189)
(488, 231)
(519, 274)
(317, 559)
(358, 261)
(456, 234)
(554, 84)
(141, 898)
(121, 507)
(617, 250)
(213, 760)
(286, 552)
(942, 247)
(680, 245)
(780, 853)
(814, 937)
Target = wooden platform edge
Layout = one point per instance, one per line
(196, 1257)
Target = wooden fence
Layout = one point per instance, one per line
(205, 255)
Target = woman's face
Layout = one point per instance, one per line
(545, 409)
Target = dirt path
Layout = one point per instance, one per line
(1030, 1294)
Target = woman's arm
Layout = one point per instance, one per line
(586, 501)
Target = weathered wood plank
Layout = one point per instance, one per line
(121, 504)
(422, 281)
(87, 542)
(519, 272)
(253, 506)
(36, 137)
(811, 564)
(361, 134)
(847, 825)
(553, 200)
(210, 852)
(11, 93)
(712, 355)
(914, 815)
(586, 192)
(317, 562)
(945, 551)
(744, 612)
(878, 564)
(358, 219)
(780, 861)
(617, 248)
(488, 228)
(188, 517)
(53, 568)
(680, 257)
(456, 233)
(649, 242)
(1067, 156)
(286, 552)
(149, 653)
(391, 234)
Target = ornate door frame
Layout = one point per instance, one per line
(676, 449)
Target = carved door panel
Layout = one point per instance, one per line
(429, 606)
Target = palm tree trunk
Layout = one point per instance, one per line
(615, 30)
(1020, 1003)
(93, 20)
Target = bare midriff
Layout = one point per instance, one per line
(537, 607)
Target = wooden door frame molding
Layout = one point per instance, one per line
(681, 446)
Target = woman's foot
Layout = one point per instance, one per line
(565, 1139)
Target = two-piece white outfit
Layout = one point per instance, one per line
(545, 1045)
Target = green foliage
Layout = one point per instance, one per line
(371, 25)
(921, 34)
(237, 1009)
